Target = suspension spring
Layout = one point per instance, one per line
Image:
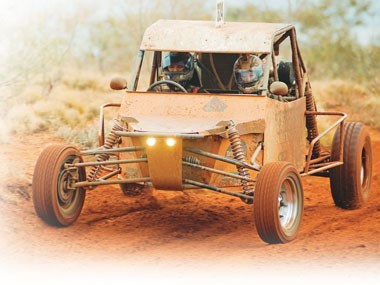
(110, 141)
(191, 159)
(238, 152)
(311, 122)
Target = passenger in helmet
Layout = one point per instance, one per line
(179, 67)
(248, 73)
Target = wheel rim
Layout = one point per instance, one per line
(289, 204)
(67, 199)
(364, 173)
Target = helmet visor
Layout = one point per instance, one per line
(176, 62)
(247, 77)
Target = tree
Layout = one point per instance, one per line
(254, 13)
(114, 40)
(328, 34)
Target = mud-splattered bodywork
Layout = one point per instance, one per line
(219, 137)
(256, 117)
(169, 137)
(269, 130)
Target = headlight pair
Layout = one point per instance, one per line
(153, 141)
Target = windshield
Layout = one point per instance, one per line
(213, 72)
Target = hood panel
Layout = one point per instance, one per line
(178, 124)
(193, 113)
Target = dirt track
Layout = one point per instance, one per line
(181, 236)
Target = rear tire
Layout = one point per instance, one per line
(54, 203)
(350, 183)
(278, 202)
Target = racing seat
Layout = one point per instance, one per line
(286, 74)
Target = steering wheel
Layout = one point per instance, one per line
(167, 82)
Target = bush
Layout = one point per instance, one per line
(356, 100)
(70, 109)
(84, 138)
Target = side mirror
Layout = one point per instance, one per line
(279, 88)
(118, 83)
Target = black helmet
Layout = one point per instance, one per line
(248, 72)
(178, 66)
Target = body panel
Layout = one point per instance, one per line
(285, 133)
(204, 36)
(281, 125)
(165, 165)
(193, 113)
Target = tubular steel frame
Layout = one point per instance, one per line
(101, 121)
(314, 162)
(316, 166)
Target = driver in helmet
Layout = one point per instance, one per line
(248, 73)
(179, 67)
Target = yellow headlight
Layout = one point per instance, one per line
(151, 141)
(170, 141)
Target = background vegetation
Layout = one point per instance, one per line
(57, 67)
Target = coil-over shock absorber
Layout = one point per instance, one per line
(191, 159)
(238, 152)
(110, 141)
(311, 122)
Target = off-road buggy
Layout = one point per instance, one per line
(255, 147)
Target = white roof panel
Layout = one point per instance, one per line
(204, 36)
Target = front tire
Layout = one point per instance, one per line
(53, 201)
(350, 183)
(278, 202)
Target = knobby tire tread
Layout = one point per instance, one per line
(345, 179)
(45, 179)
(267, 223)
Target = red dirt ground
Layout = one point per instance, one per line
(179, 237)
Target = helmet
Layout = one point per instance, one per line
(178, 66)
(248, 72)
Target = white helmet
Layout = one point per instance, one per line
(248, 72)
